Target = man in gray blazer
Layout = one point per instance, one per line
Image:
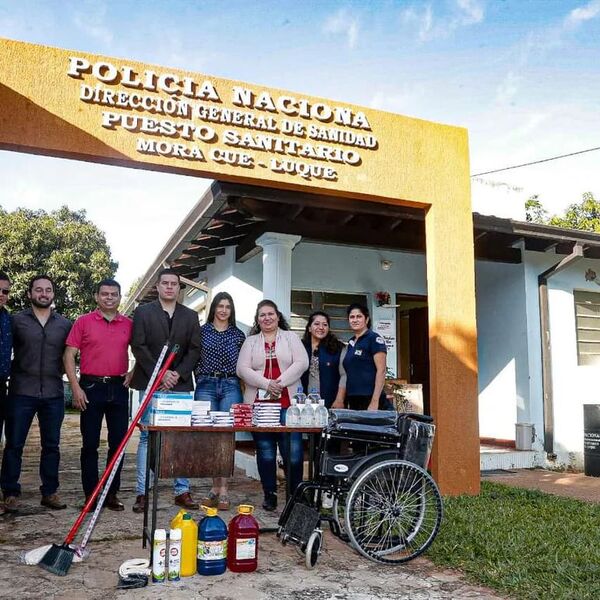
(155, 323)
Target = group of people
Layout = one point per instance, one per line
(216, 360)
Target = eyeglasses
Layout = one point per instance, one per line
(4, 291)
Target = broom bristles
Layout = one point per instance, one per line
(58, 559)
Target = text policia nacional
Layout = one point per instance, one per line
(183, 111)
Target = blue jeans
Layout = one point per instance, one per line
(266, 457)
(20, 411)
(180, 486)
(105, 400)
(222, 392)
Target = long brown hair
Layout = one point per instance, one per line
(213, 307)
(330, 341)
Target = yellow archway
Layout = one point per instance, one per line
(99, 109)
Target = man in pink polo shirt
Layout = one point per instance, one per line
(101, 338)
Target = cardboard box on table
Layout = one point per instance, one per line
(171, 409)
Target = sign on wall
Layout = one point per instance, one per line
(91, 107)
(386, 328)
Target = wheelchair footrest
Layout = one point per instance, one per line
(301, 522)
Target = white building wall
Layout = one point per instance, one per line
(509, 347)
(349, 269)
(501, 348)
(573, 385)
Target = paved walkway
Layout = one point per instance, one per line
(570, 485)
(340, 574)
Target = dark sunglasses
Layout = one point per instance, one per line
(4, 291)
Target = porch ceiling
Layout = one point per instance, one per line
(236, 215)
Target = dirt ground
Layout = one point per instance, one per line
(340, 573)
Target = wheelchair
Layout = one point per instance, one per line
(385, 504)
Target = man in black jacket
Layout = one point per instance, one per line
(153, 324)
(36, 387)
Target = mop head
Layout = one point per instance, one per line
(58, 559)
(33, 557)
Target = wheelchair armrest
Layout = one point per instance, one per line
(416, 417)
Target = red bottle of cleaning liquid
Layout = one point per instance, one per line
(242, 541)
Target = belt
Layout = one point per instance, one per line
(106, 379)
(219, 374)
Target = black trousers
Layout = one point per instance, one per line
(108, 401)
(2, 404)
(362, 402)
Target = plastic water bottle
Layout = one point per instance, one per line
(212, 544)
(321, 414)
(174, 554)
(307, 416)
(300, 397)
(159, 553)
(314, 396)
(292, 416)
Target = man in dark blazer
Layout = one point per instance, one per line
(154, 324)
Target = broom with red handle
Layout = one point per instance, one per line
(58, 559)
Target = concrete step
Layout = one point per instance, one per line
(492, 458)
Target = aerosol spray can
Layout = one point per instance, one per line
(174, 554)
(159, 554)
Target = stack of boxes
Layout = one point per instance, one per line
(242, 415)
(172, 408)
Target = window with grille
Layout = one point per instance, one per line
(333, 303)
(587, 317)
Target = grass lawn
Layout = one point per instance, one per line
(523, 543)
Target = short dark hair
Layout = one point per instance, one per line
(37, 278)
(283, 324)
(215, 302)
(109, 283)
(168, 272)
(362, 308)
(4, 277)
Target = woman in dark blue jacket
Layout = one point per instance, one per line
(324, 350)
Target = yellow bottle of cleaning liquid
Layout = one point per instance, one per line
(189, 545)
(176, 521)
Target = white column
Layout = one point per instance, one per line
(277, 268)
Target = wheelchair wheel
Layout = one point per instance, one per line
(393, 511)
(313, 548)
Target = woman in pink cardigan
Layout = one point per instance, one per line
(271, 362)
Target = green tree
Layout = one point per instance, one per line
(584, 215)
(132, 289)
(63, 244)
(534, 211)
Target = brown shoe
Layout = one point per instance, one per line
(53, 501)
(11, 504)
(212, 500)
(224, 503)
(113, 503)
(140, 504)
(186, 501)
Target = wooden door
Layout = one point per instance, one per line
(418, 337)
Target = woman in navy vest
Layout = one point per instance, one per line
(364, 363)
(324, 351)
